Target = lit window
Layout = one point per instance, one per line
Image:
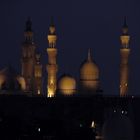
(39, 129)
(81, 125)
(125, 112)
(38, 92)
(93, 124)
(114, 111)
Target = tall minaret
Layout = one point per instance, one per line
(38, 75)
(28, 56)
(124, 68)
(51, 66)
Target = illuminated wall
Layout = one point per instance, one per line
(38, 76)
(124, 71)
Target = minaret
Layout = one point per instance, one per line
(124, 68)
(51, 66)
(38, 75)
(28, 56)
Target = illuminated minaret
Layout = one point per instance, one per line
(28, 56)
(124, 68)
(51, 66)
(38, 75)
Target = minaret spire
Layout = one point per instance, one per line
(28, 31)
(52, 21)
(52, 34)
(125, 27)
(125, 38)
(28, 25)
(52, 27)
(125, 22)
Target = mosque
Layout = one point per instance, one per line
(109, 117)
(30, 79)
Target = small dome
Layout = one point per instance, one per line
(118, 127)
(67, 85)
(89, 70)
(22, 82)
(10, 80)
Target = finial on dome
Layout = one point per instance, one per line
(89, 54)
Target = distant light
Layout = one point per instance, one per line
(93, 124)
(114, 111)
(99, 137)
(39, 129)
(50, 96)
(132, 97)
(81, 125)
(122, 112)
(38, 92)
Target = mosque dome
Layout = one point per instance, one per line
(10, 80)
(89, 73)
(67, 85)
(118, 127)
(89, 70)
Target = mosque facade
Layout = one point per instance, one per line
(30, 78)
(108, 117)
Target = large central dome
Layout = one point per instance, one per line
(89, 73)
(89, 70)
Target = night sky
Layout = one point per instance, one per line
(80, 24)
